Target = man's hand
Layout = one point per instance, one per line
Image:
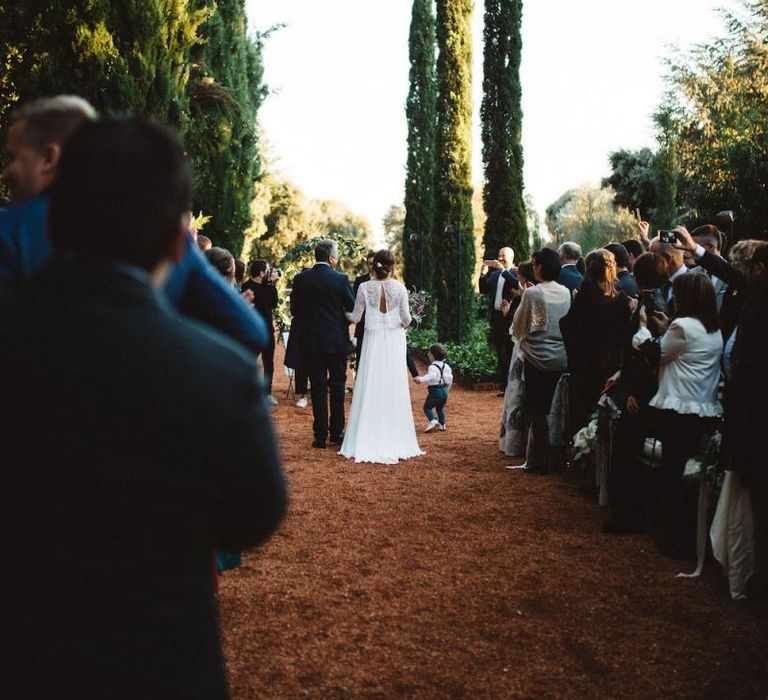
(643, 227)
(632, 406)
(505, 307)
(685, 240)
(632, 304)
(248, 295)
(661, 320)
(643, 317)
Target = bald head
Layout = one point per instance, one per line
(506, 257)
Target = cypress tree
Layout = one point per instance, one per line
(453, 241)
(666, 171)
(225, 93)
(501, 118)
(418, 266)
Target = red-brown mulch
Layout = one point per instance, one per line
(448, 576)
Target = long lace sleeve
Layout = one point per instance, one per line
(359, 310)
(405, 311)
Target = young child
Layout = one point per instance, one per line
(438, 379)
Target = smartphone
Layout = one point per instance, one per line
(668, 237)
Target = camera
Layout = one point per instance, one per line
(275, 273)
(668, 237)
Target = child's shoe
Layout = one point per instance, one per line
(431, 426)
(442, 426)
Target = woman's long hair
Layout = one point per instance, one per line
(695, 297)
(600, 273)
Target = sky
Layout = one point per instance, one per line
(591, 72)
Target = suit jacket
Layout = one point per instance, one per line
(319, 298)
(735, 292)
(193, 285)
(360, 326)
(570, 277)
(488, 285)
(134, 443)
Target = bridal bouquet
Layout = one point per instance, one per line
(418, 302)
(585, 439)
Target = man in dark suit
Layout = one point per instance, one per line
(498, 280)
(134, 442)
(570, 277)
(319, 300)
(360, 327)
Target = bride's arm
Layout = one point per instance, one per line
(405, 311)
(359, 310)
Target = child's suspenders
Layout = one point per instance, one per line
(442, 381)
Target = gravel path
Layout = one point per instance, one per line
(449, 576)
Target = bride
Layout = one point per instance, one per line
(380, 427)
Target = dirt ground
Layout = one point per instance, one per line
(448, 576)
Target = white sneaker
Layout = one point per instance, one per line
(271, 400)
(431, 426)
(442, 426)
(302, 402)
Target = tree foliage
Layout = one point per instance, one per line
(453, 241)
(633, 180)
(226, 90)
(418, 267)
(721, 91)
(587, 216)
(394, 224)
(501, 117)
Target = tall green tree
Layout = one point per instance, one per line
(502, 120)
(418, 263)
(666, 171)
(226, 90)
(633, 180)
(453, 241)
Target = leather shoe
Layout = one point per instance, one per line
(337, 440)
(319, 443)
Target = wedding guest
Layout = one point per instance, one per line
(438, 379)
(570, 277)
(629, 483)
(634, 249)
(745, 437)
(498, 280)
(686, 404)
(625, 282)
(239, 273)
(111, 501)
(37, 133)
(675, 268)
(593, 331)
(536, 326)
(204, 243)
(265, 300)
(223, 262)
(513, 434)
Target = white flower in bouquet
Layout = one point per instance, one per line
(418, 301)
(586, 438)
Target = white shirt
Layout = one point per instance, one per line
(689, 370)
(499, 291)
(432, 377)
(680, 271)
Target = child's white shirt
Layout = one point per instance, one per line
(432, 377)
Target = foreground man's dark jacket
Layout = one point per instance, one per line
(132, 444)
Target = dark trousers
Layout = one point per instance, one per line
(681, 436)
(437, 397)
(502, 346)
(327, 374)
(268, 360)
(300, 379)
(630, 480)
(539, 391)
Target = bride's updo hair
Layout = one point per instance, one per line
(383, 264)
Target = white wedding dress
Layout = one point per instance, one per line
(380, 427)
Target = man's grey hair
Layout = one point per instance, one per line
(52, 119)
(326, 249)
(570, 250)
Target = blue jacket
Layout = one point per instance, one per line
(570, 277)
(194, 288)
